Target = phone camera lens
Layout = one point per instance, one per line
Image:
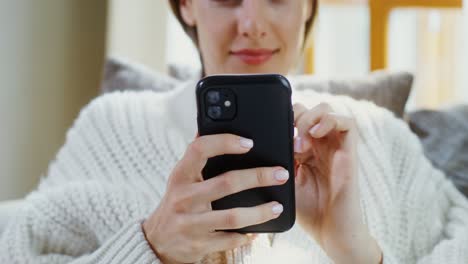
(213, 97)
(214, 112)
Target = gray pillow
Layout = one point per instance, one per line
(120, 74)
(444, 136)
(389, 90)
(385, 89)
(183, 72)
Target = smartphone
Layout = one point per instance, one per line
(257, 107)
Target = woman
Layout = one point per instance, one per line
(127, 187)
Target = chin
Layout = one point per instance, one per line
(236, 67)
(257, 70)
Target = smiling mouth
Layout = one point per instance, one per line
(254, 56)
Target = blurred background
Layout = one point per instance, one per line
(52, 55)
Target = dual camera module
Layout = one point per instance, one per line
(220, 104)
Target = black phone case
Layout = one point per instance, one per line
(264, 114)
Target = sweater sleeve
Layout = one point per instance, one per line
(108, 176)
(433, 214)
(77, 223)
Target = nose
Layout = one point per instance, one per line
(251, 20)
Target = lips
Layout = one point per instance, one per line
(254, 56)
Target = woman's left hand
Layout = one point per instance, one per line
(327, 191)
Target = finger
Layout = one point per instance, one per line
(311, 117)
(339, 123)
(304, 120)
(327, 123)
(235, 181)
(238, 217)
(205, 147)
(223, 241)
(302, 143)
(330, 122)
(298, 109)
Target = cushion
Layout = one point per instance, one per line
(385, 89)
(444, 136)
(183, 72)
(121, 74)
(389, 90)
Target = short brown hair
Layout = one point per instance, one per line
(192, 31)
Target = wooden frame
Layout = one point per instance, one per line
(379, 14)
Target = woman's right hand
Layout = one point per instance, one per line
(182, 228)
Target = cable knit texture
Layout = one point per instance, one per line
(112, 171)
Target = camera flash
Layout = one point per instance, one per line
(227, 103)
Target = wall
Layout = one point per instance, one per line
(137, 31)
(51, 55)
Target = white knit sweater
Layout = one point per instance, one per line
(112, 172)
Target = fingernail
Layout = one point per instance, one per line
(246, 143)
(297, 145)
(314, 129)
(281, 175)
(277, 208)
